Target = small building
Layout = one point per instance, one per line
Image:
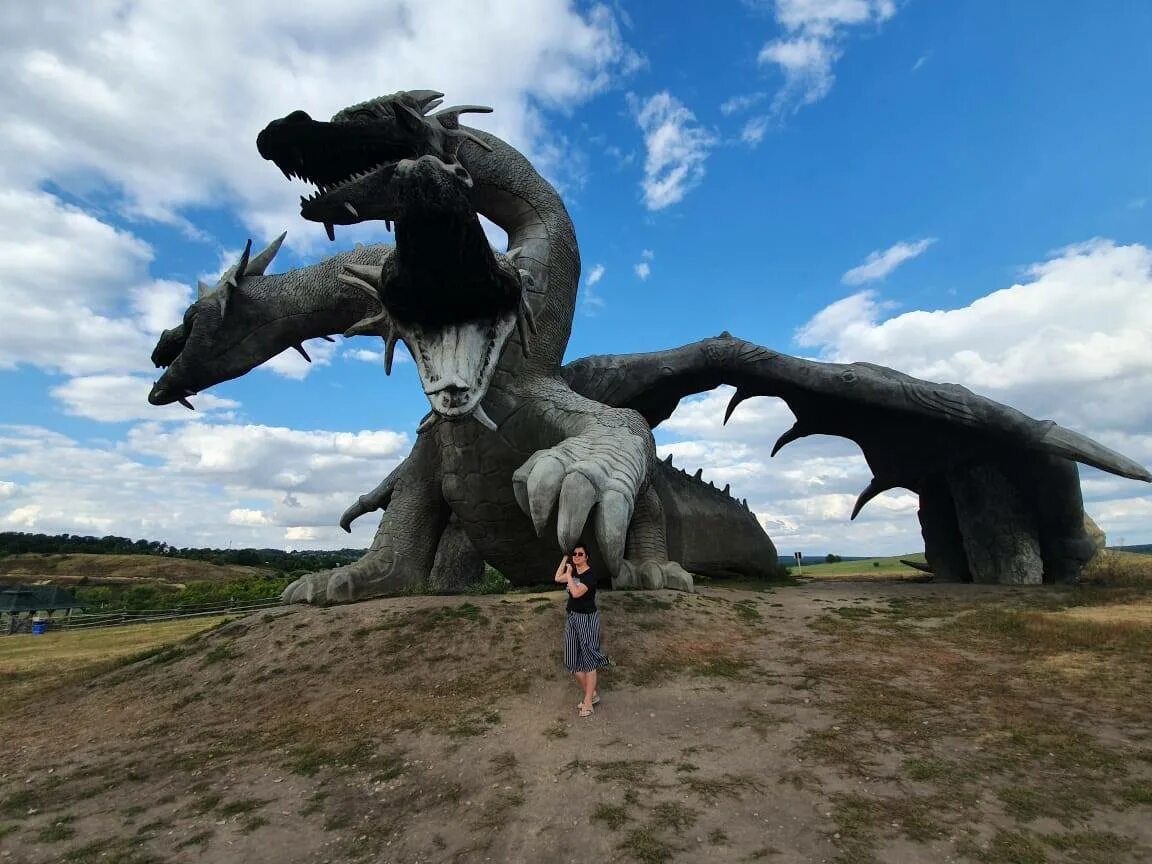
(18, 600)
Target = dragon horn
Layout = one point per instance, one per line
(468, 136)
(453, 113)
(426, 99)
(259, 264)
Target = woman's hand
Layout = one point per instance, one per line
(564, 571)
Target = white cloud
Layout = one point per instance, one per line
(741, 103)
(643, 268)
(163, 103)
(120, 398)
(591, 301)
(754, 130)
(244, 516)
(812, 41)
(21, 517)
(63, 275)
(880, 263)
(676, 149)
(1071, 342)
(201, 484)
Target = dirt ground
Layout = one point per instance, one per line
(836, 722)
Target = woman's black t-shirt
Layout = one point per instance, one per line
(586, 603)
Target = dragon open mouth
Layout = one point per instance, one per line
(359, 162)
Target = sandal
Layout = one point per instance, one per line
(586, 711)
(595, 701)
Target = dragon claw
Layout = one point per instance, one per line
(580, 478)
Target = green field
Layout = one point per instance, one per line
(867, 568)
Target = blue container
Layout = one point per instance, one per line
(38, 628)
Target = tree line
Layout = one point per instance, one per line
(18, 543)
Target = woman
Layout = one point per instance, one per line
(582, 654)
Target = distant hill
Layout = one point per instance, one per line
(1143, 549)
(121, 570)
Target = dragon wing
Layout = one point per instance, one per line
(961, 452)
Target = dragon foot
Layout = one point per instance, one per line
(651, 574)
(358, 581)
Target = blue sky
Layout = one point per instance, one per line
(960, 190)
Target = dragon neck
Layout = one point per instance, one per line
(510, 192)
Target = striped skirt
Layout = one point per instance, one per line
(582, 642)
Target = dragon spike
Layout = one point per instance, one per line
(484, 420)
(300, 348)
(522, 329)
(202, 289)
(711, 485)
(737, 397)
(668, 459)
(526, 308)
(513, 254)
(728, 489)
(787, 438)
(327, 338)
(184, 401)
(259, 264)
(241, 265)
(226, 295)
(389, 352)
(458, 135)
(367, 277)
(744, 501)
(699, 475)
(426, 99)
(874, 488)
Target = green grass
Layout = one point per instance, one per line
(866, 568)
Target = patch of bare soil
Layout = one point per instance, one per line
(818, 723)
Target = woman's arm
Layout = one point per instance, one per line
(577, 589)
(564, 571)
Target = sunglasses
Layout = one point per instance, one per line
(579, 554)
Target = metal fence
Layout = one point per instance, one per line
(145, 616)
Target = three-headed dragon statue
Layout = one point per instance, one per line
(521, 456)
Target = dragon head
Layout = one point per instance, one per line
(363, 161)
(208, 346)
(451, 299)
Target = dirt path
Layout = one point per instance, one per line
(841, 722)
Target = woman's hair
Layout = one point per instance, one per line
(579, 546)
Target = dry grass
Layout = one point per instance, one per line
(77, 651)
(33, 665)
(981, 725)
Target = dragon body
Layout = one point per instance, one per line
(520, 456)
